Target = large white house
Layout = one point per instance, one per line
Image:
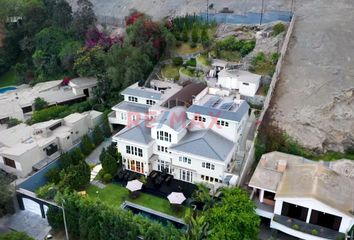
(25, 148)
(194, 139)
(303, 198)
(19, 103)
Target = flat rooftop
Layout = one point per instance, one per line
(185, 96)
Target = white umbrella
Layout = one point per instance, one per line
(134, 185)
(176, 198)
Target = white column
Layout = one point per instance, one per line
(308, 215)
(261, 195)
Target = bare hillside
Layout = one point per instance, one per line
(314, 99)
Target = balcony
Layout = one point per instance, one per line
(112, 118)
(304, 228)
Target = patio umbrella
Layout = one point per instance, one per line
(134, 185)
(176, 198)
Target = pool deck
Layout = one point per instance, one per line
(149, 210)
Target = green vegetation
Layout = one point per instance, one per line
(263, 64)
(7, 194)
(177, 61)
(59, 111)
(191, 63)
(170, 71)
(203, 59)
(13, 122)
(232, 56)
(185, 49)
(314, 232)
(191, 72)
(296, 227)
(93, 220)
(272, 138)
(40, 103)
(234, 217)
(15, 236)
(111, 162)
(115, 195)
(230, 43)
(278, 28)
(9, 78)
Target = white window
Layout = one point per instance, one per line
(140, 152)
(203, 164)
(150, 102)
(128, 149)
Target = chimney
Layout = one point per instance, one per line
(281, 166)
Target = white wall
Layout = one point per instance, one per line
(248, 90)
(346, 223)
(141, 100)
(228, 82)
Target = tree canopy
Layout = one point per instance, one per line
(234, 217)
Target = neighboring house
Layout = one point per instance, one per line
(19, 103)
(194, 137)
(24, 148)
(303, 198)
(247, 83)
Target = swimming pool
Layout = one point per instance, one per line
(7, 89)
(154, 215)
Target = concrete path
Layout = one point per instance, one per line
(28, 222)
(94, 157)
(95, 171)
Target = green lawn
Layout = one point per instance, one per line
(115, 195)
(203, 60)
(186, 49)
(9, 79)
(170, 71)
(233, 56)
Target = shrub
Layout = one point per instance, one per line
(195, 35)
(15, 236)
(47, 191)
(107, 177)
(314, 232)
(86, 145)
(296, 227)
(13, 122)
(97, 136)
(177, 61)
(191, 62)
(106, 128)
(193, 45)
(53, 175)
(40, 103)
(278, 28)
(109, 163)
(185, 36)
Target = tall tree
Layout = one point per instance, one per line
(6, 196)
(234, 217)
(84, 17)
(109, 164)
(62, 14)
(198, 227)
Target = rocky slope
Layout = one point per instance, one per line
(314, 100)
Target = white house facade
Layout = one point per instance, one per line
(195, 143)
(302, 198)
(24, 148)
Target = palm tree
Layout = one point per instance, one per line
(197, 227)
(202, 195)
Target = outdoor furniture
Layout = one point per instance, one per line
(153, 174)
(168, 179)
(176, 198)
(134, 185)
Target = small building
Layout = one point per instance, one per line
(247, 83)
(303, 198)
(25, 148)
(83, 86)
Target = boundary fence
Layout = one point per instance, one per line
(250, 158)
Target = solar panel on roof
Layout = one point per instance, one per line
(212, 101)
(227, 106)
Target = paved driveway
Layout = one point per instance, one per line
(94, 157)
(28, 222)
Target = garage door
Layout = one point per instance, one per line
(31, 206)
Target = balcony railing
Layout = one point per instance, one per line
(112, 118)
(308, 228)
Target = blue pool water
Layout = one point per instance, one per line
(248, 18)
(154, 217)
(7, 89)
